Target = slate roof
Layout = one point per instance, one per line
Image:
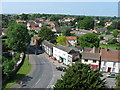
(101, 30)
(64, 48)
(110, 55)
(91, 56)
(50, 45)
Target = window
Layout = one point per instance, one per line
(114, 64)
(94, 61)
(113, 70)
(104, 63)
(86, 60)
(104, 69)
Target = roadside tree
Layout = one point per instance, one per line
(80, 76)
(18, 37)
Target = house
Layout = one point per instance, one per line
(118, 38)
(47, 47)
(68, 19)
(92, 58)
(66, 55)
(20, 21)
(110, 60)
(100, 30)
(59, 29)
(108, 24)
(71, 40)
(108, 37)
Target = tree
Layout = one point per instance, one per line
(87, 23)
(112, 41)
(89, 40)
(46, 34)
(115, 33)
(80, 76)
(24, 16)
(118, 82)
(61, 40)
(18, 37)
(66, 32)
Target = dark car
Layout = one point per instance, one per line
(38, 52)
(61, 68)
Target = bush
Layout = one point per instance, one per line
(112, 41)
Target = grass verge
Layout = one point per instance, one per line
(23, 71)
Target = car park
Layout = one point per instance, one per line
(60, 68)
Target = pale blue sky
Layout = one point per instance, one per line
(72, 8)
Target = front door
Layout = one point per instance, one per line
(109, 69)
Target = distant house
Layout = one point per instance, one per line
(100, 30)
(71, 40)
(110, 60)
(92, 58)
(68, 19)
(81, 32)
(118, 38)
(59, 29)
(108, 24)
(20, 21)
(108, 37)
(66, 55)
(48, 47)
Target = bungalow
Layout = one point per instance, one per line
(47, 47)
(92, 58)
(108, 24)
(65, 54)
(110, 60)
(100, 30)
(72, 40)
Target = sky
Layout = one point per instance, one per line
(78, 7)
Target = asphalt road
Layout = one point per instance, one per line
(42, 74)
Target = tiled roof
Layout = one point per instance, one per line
(71, 38)
(91, 56)
(110, 55)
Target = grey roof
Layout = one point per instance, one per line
(64, 48)
(101, 30)
(91, 56)
(50, 45)
(59, 29)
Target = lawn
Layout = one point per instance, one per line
(23, 71)
(109, 46)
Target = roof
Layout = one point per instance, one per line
(110, 55)
(92, 56)
(64, 48)
(48, 43)
(59, 29)
(101, 30)
(71, 38)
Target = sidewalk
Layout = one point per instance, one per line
(30, 74)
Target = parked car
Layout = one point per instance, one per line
(61, 68)
(111, 75)
(38, 52)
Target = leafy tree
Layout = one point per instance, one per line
(87, 23)
(80, 76)
(61, 40)
(24, 16)
(46, 34)
(115, 33)
(18, 37)
(66, 32)
(112, 41)
(118, 82)
(8, 66)
(101, 37)
(89, 40)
